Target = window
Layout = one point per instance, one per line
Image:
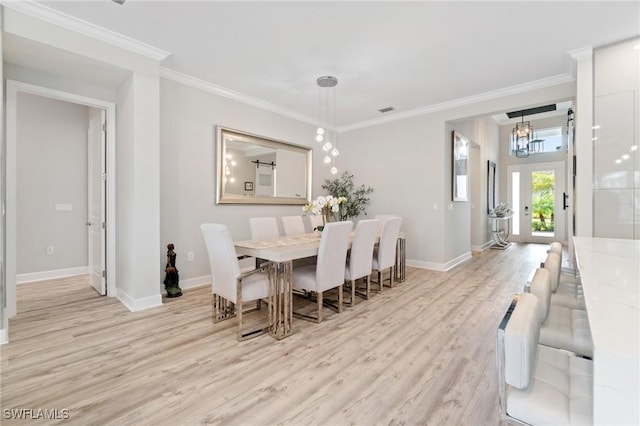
(552, 138)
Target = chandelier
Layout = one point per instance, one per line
(326, 134)
(522, 142)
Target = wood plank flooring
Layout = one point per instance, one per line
(422, 353)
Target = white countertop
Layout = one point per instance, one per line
(610, 275)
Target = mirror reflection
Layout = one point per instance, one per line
(252, 169)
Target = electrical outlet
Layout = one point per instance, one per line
(450, 206)
(50, 250)
(190, 256)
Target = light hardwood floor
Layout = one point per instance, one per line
(420, 353)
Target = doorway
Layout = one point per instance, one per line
(13, 89)
(536, 196)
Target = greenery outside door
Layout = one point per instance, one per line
(535, 194)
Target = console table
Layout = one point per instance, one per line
(500, 226)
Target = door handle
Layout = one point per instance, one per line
(88, 223)
(565, 197)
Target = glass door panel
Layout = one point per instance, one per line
(535, 194)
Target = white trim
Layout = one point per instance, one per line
(4, 336)
(483, 247)
(233, 95)
(442, 267)
(582, 53)
(12, 89)
(47, 14)
(135, 305)
(457, 103)
(190, 283)
(51, 275)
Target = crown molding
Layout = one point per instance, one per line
(233, 95)
(47, 14)
(456, 103)
(582, 53)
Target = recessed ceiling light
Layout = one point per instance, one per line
(634, 147)
(618, 161)
(596, 127)
(625, 157)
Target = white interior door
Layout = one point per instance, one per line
(536, 194)
(96, 198)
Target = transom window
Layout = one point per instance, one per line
(552, 138)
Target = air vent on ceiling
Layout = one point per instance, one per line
(387, 109)
(120, 2)
(536, 110)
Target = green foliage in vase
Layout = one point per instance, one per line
(357, 197)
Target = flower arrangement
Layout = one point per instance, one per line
(325, 205)
(356, 197)
(502, 209)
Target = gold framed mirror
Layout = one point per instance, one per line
(253, 169)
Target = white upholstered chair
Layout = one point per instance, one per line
(328, 273)
(315, 221)
(539, 385)
(384, 256)
(382, 219)
(263, 228)
(567, 291)
(360, 259)
(292, 225)
(229, 287)
(561, 327)
(556, 248)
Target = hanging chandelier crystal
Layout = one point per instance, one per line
(326, 134)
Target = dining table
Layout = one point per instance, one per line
(280, 254)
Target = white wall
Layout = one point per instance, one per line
(408, 163)
(52, 170)
(188, 117)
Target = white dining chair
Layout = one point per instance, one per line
(360, 258)
(561, 327)
(315, 220)
(263, 228)
(229, 287)
(328, 273)
(539, 385)
(384, 256)
(566, 291)
(292, 225)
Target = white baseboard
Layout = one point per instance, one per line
(135, 305)
(189, 283)
(195, 282)
(442, 267)
(483, 247)
(50, 275)
(4, 336)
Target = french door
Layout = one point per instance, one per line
(537, 195)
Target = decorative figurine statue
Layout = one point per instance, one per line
(172, 278)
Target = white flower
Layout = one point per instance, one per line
(324, 204)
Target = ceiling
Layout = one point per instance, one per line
(407, 55)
